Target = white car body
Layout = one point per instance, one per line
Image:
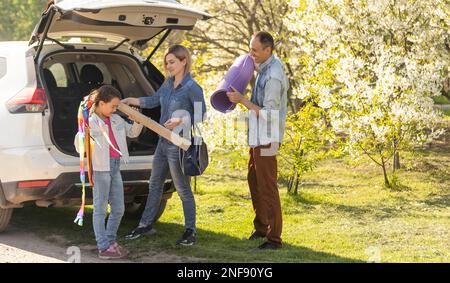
(27, 151)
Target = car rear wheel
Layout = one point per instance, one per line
(135, 209)
(5, 217)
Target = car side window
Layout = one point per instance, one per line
(107, 78)
(106, 73)
(60, 75)
(2, 67)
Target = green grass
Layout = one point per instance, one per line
(341, 213)
(441, 100)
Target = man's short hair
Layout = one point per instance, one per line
(266, 39)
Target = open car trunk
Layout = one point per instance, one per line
(136, 21)
(70, 75)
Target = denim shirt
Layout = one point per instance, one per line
(269, 93)
(185, 101)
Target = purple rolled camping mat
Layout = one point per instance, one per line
(238, 76)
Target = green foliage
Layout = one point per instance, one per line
(308, 140)
(375, 78)
(441, 100)
(230, 160)
(18, 18)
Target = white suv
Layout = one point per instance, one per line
(42, 83)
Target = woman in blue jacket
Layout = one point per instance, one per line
(182, 104)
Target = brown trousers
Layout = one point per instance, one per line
(262, 180)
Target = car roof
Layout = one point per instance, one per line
(13, 45)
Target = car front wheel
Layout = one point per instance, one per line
(5, 217)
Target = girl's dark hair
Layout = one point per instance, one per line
(104, 93)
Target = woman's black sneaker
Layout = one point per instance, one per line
(140, 231)
(188, 238)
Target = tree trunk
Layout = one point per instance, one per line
(290, 183)
(295, 177)
(386, 179)
(396, 164)
(297, 181)
(291, 101)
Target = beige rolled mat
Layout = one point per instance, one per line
(154, 126)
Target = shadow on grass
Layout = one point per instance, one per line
(441, 201)
(440, 175)
(223, 177)
(233, 196)
(398, 185)
(210, 247)
(438, 147)
(353, 211)
(299, 204)
(294, 204)
(219, 247)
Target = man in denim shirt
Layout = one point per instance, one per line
(267, 119)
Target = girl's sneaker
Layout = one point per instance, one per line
(121, 249)
(110, 253)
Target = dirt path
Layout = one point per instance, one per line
(20, 246)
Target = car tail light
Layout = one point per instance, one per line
(33, 184)
(28, 100)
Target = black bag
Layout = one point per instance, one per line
(195, 160)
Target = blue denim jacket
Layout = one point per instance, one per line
(269, 93)
(187, 100)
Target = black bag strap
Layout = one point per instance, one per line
(194, 125)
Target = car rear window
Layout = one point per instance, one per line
(2, 67)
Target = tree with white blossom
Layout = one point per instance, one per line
(374, 66)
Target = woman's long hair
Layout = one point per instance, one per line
(181, 53)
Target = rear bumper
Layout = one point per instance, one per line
(65, 190)
(5, 203)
